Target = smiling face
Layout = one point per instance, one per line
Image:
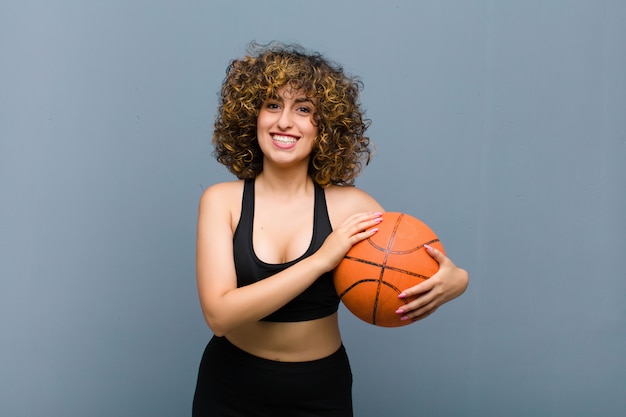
(285, 128)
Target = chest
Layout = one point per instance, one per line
(282, 230)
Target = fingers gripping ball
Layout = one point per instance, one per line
(374, 271)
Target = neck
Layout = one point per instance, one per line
(284, 183)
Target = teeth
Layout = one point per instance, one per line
(284, 139)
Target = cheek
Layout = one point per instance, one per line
(260, 120)
(312, 129)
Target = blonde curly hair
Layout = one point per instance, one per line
(341, 147)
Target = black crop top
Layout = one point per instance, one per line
(317, 301)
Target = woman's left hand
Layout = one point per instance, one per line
(446, 284)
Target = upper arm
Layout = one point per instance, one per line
(215, 269)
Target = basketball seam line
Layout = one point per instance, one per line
(361, 281)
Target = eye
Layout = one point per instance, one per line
(271, 105)
(304, 109)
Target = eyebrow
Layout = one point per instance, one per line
(304, 100)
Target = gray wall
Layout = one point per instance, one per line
(500, 123)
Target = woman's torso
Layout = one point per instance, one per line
(282, 232)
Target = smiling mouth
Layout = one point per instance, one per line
(287, 140)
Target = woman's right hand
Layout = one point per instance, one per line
(354, 229)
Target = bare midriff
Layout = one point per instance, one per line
(289, 342)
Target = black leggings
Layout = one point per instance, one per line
(234, 383)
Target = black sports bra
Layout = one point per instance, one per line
(317, 301)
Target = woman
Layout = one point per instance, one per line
(290, 127)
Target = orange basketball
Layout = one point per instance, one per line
(374, 271)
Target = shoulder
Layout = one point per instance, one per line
(223, 191)
(220, 206)
(222, 200)
(344, 200)
(350, 195)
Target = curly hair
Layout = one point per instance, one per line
(341, 147)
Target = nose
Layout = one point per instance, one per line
(285, 121)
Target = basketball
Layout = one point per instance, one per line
(374, 271)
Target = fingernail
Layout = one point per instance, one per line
(428, 247)
(402, 295)
(399, 311)
(404, 318)
(374, 230)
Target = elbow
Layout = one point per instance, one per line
(459, 283)
(467, 278)
(464, 280)
(221, 316)
(217, 326)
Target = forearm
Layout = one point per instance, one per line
(239, 306)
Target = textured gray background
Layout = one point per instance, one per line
(500, 123)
